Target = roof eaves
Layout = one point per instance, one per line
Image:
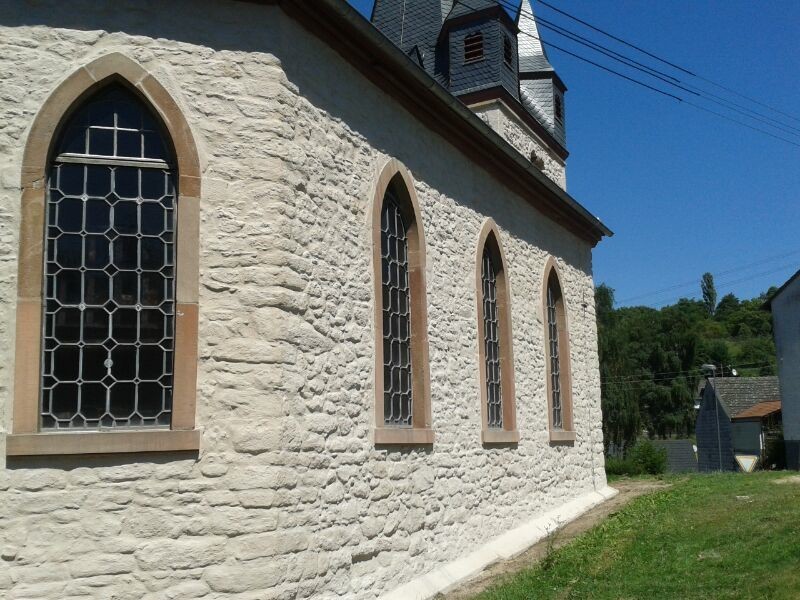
(768, 303)
(381, 61)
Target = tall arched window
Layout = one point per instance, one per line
(107, 295)
(402, 397)
(559, 388)
(498, 410)
(109, 310)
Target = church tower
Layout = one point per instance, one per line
(541, 89)
(491, 58)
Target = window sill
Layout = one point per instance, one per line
(385, 436)
(499, 436)
(562, 437)
(102, 442)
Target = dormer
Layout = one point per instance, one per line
(480, 40)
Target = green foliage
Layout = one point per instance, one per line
(709, 292)
(731, 536)
(650, 359)
(648, 458)
(620, 466)
(642, 459)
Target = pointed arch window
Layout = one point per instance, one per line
(402, 400)
(559, 387)
(498, 410)
(109, 305)
(107, 294)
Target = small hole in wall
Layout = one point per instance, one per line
(537, 160)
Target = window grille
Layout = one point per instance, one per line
(555, 367)
(491, 340)
(109, 271)
(397, 396)
(508, 52)
(473, 47)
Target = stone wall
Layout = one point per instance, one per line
(288, 497)
(500, 118)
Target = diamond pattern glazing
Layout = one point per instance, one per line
(397, 400)
(109, 274)
(491, 341)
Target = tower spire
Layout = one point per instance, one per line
(532, 55)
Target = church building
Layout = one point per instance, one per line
(294, 301)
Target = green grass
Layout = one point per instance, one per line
(693, 540)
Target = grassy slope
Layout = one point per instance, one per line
(694, 540)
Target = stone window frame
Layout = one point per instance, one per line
(566, 434)
(395, 174)
(26, 437)
(489, 238)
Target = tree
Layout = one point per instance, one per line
(650, 358)
(709, 292)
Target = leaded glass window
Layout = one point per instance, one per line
(491, 341)
(109, 270)
(396, 298)
(555, 366)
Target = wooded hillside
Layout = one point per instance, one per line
(650, 358)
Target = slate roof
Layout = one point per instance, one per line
(740, 393)
(416, 27)
(762, 409)
(467, 7)
(680, 455)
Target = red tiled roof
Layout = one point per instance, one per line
(762, 409)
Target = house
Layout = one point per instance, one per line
(737, 419)
(285, 317)
(681, 456)
(785, 307)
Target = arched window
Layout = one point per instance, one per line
(109, 311)
(116, 304)
(559, 388)
(498, 408)
(402, 397)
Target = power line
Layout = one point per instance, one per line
(717, 274)
(613, 37)
(713, 112)
(664, 77)
(664, 61)
(668, 79)
(728, 284)
(642, 382)
(674, 374)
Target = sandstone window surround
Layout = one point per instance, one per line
(495, 345)
(402, 380)
(28, 437)
(557, 349)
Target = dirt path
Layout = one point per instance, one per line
(628, 490)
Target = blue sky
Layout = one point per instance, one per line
(684, 191)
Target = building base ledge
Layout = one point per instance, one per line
(503, 547)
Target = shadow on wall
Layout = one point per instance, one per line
(80, 461)
(315, 69)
